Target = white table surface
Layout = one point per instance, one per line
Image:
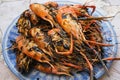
(10, 9)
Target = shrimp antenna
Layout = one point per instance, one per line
(10, 48)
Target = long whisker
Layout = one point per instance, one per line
(11, 47)
(89, 64)
(95, 18)
(105, 67)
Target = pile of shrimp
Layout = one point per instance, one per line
(60, 40)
